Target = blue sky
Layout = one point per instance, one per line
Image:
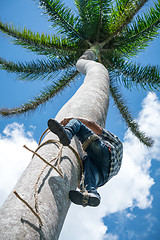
(130, 206)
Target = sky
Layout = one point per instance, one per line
(130, 201)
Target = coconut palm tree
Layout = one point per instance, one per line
(114, 32)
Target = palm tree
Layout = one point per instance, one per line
(115, 32)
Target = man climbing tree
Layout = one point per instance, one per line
(104, 150)
(118, 33)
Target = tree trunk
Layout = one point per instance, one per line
(16, 220)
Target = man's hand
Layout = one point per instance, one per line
(65, 121)
(90, 124)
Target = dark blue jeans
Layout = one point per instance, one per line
(97, 161)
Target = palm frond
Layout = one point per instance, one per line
(87, 23)
(43, 97)
(121, 15)
(42, 44)
(61, 16)
(130, 122)
(137, 35)
(93, 18)
(132, 74)
(38, 70)
(106, 11)
(119, 12)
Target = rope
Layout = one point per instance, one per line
(88, 141)
(47, 130)
(59, 171)
(48, 163)
(20, 198)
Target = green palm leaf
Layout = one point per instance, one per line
(131, 74)
(88, 18)
(42, 44)
(63, 17)
(123, 12)
(45, 96)
(121, 15)
(40, 69)
(93, 18)
(137, 35)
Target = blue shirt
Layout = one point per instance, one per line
(116, 147)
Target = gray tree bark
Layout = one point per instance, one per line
(17, 222)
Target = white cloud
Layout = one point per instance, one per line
(129, 189)
(150, 220)
(14, 158)
(157, 172)
(110, 236)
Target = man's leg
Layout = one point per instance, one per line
(74, 127)
(91, 172)
(91, 175)
(88, 196)
(99, 154)
(98, 160)
(96, 171)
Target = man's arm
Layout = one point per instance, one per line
(90, 124)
